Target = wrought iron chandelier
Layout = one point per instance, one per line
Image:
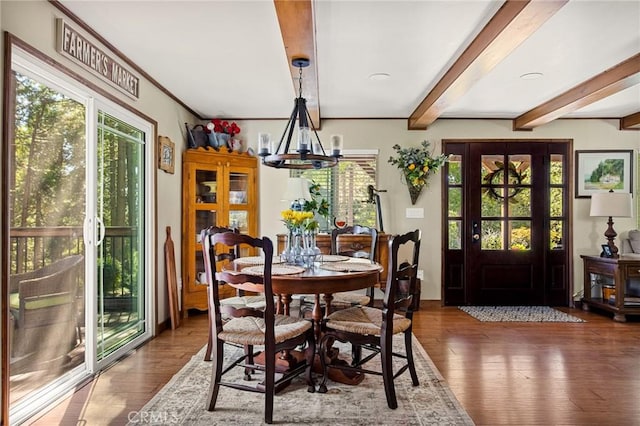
(308, 154)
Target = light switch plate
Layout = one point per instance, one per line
(414, 213)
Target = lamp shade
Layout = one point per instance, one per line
(614, 204)
(297, 189)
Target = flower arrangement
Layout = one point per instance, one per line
(296, 220)
(417, 163)
(218, 126)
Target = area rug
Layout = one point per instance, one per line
(518, 314)
(182, 400)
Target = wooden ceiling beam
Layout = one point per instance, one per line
(508, 28)
(630, 122)
(297, 26)
(607, 83)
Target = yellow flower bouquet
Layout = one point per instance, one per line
(294, 220)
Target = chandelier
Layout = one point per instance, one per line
(308, 153)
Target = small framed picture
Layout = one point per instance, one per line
(598, 171)
(166, 154)
(606, 251)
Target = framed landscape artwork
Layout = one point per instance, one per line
(598, 171)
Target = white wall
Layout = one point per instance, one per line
(383, 134)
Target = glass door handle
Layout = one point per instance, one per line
(100, 238)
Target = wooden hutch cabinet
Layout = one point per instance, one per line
(218, 188)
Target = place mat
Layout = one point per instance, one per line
(255, 260)
(350, 267)
(332, 258)
(275, 270)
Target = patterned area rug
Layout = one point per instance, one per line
(518, 314)
(182, 400)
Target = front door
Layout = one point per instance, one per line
(507, 223)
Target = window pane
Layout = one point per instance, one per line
(520, 203)
(345, 186)
(492, 202)
(492, 236)
(455, 169)
(491, 169)
(556, 169)
(519, 169)
(556, 202)
(556, 234)
(520, 234)
(455, 234)
(455, 202)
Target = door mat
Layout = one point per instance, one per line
(518, 314)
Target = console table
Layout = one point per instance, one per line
(623, 274)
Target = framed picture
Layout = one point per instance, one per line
(606, 251)
(598, 171)
(166, 154)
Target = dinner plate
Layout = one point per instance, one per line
(275, 270)
(255, 260)
(349, 267)
(332, 258)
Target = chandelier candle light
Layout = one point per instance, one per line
(310, 154)
(610, 204)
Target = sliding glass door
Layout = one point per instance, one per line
(120, 195)
(78, 248)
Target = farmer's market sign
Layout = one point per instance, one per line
(72, 44)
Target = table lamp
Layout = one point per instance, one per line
(297, 192)
(610, 204)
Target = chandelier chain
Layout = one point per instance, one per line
(300, 81)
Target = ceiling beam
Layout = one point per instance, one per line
(297, 27)
(630, 122)
(607, 83)
(508, 28)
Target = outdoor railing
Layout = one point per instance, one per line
(32, 248)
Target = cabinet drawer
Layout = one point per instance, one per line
(632, 271)
(600, 268)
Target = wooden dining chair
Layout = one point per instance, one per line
(249, 327)
(358, 250)
(240, 300)
(373, 329)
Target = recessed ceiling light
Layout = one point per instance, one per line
(379, 76)
(531, 75)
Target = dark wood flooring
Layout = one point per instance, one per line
(502, 373)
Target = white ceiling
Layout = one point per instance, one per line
(227, 58)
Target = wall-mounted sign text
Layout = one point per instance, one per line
(70, 43)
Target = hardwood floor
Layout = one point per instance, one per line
(502, 373)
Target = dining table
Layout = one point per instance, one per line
(329, 274)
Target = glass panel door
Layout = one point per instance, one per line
(46, 209)
(120, 197)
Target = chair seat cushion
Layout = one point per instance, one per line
(250, 330)
(255, 302)
(349, 299)
(364, 320)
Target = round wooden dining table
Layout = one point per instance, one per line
(322, 280)
(323, 283)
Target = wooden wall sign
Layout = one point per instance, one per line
(72, 44)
